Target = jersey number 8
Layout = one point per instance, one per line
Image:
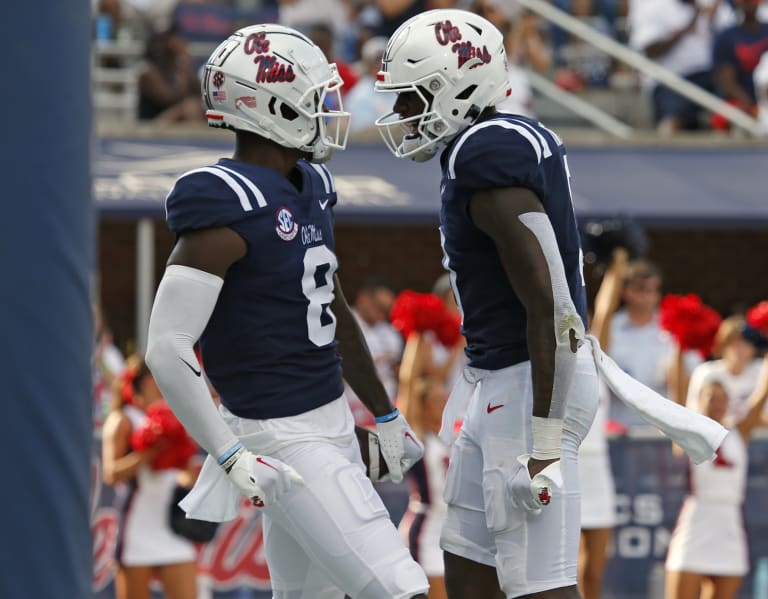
(319, 295)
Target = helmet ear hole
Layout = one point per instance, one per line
(288, 113)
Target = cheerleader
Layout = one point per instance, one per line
(736, 367)
(433, 359)
(707, 554)
(146, 544)
(422, 404)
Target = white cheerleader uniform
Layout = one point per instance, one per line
(709, 537)
(423, 520)
(598, 492)
(146, 538)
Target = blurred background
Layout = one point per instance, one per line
(662, 104)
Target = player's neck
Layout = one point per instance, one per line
(487, 113)
(733, 364)
(258, 151)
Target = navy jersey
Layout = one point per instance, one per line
(269, 348)
(502, 151)
(742, 49)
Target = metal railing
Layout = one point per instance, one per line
(649, 68)
(573, 103)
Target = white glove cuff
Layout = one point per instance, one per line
(228, 459)
(547, 433)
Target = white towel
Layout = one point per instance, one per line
(214, 498)
(698, 435)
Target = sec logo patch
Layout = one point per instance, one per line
(285, 225)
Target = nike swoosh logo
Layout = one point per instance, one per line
(192, 368)
(324, 204)
(491, 408)
(261, 460)
(408, 435)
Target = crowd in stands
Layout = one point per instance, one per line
(719, 45)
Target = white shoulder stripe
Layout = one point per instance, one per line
(233, 184)
(507, 125)
(542, 140)
(260, 199)
(325, 176)
(554, 135)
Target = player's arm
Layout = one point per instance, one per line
(185, 300)
(660, 47)
(756, 404)
(515, 219)
(184, 303)
(118, 461)
(608, 297)
(399, 445)
(358, 365)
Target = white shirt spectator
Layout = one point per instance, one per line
(363, 102)
(366, 105)
(652, 21)
(643, 352)
(521, 98)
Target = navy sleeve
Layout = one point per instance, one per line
(202, 199)
(498, 156)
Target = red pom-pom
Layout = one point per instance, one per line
(162, 428)
(419, 312)
(757, 317)
(449, 330)
(691, 323)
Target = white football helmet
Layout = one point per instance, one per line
(274, 81)
(455, 62)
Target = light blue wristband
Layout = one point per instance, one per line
(227, 455)
(387, 417)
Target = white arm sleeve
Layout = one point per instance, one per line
(183, 305)
(565, 318)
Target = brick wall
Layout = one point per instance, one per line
(727, 268)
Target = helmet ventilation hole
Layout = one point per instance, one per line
(466, 92)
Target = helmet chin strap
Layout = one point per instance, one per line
(412, 142)
(321, 152)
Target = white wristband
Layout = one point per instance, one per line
(546, 438)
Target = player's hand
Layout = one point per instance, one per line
(263, 479)
(533, 493)
(399, 446)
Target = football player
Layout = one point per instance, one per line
(252, 276)
(512, 249)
